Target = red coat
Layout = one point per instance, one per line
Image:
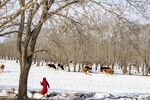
(44, 84)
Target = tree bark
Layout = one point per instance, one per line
(25, 67)
(79, 69)
(130, 69)
(124, 68)
(143, 66)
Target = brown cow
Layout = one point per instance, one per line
(108, 71)
(2, 67)
(85, 70)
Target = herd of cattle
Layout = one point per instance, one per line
(107, 70)
(86, 69)
(53, 66)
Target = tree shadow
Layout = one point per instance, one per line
(6, 72)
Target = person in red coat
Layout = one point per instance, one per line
(44, 83)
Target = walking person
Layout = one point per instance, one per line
(45, 84)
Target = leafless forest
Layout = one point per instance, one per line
(103, 32)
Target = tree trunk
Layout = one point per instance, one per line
(46, 61)
(146, 69)
(82, 65)
(96, 66)
(130, 70)
(79, 67)
(143, 69)
(124, 69)
(25, 67)
(68, 67)
(113, 64)
(101, 65)
(75, 67)
(38, 63)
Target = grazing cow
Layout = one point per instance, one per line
(108, 71)
(61, 66)
(89, 68)
(52, 94)
(102, 68)
(2, 68)
(85, 70)
(52, 66)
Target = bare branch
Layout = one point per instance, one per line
(17, 13)
(112, 12)
(8, 26)
(42, 50)
(69, 18)
(3, 3)
(7, 33)
(135, 8)
(52, 13)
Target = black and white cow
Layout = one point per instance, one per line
(52, 66)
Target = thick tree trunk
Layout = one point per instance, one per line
(25, 67)
(22, 92)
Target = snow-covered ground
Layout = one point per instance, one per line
(76, 85)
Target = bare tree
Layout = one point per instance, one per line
(28, 28)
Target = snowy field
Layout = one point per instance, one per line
(76, 85)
